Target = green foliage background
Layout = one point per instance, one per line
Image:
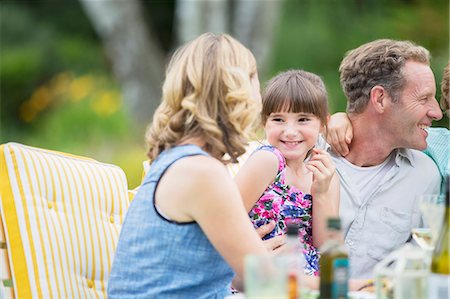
(57, 90)
(315, 35)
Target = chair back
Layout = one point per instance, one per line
(60, 220)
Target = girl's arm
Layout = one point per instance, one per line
(325, 193)
(255, 175)
(339, 133)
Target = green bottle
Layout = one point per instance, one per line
(334, 266)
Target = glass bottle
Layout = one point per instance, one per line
(334, 266)
(295, 256)
(439, 280)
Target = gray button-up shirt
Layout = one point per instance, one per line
(382, 222)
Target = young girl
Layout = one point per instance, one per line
(292, 174)
(177, 240)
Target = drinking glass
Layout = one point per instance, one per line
(266, 277)
(402, 274)
(432, 208)
(277, 276)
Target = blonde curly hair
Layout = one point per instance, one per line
(207, 94)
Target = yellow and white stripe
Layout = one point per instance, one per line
(61, 216)
(5, 275)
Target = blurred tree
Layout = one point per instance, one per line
(256, 23)
(252, 22)
(135, 56)
(193, 17)
(56, 89)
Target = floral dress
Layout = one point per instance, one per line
(286, 204)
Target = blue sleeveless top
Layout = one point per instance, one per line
(160, 258)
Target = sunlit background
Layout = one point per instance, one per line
(83, 76)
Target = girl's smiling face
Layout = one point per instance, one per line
(294, 134)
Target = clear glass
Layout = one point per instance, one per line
(402, 274)
(432, 210)
(272, 276)
(266, 277)
(432, 207)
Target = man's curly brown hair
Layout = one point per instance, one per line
(379, 62)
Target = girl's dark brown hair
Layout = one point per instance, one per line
(295, 91)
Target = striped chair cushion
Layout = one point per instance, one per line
(61, 216)
(5, 274)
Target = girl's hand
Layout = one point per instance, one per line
(323, 170)
(339, 133)
(325, 194)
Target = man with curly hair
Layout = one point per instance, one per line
(390, 89)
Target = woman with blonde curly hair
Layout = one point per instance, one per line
(186, 232)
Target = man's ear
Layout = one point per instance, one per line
(379, 98)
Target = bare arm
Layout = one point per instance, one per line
(275, 244)
(255, 175)
(325, 193)
(252, 179)
(339, 133)
(206, 194)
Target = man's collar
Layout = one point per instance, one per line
(406, 153)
